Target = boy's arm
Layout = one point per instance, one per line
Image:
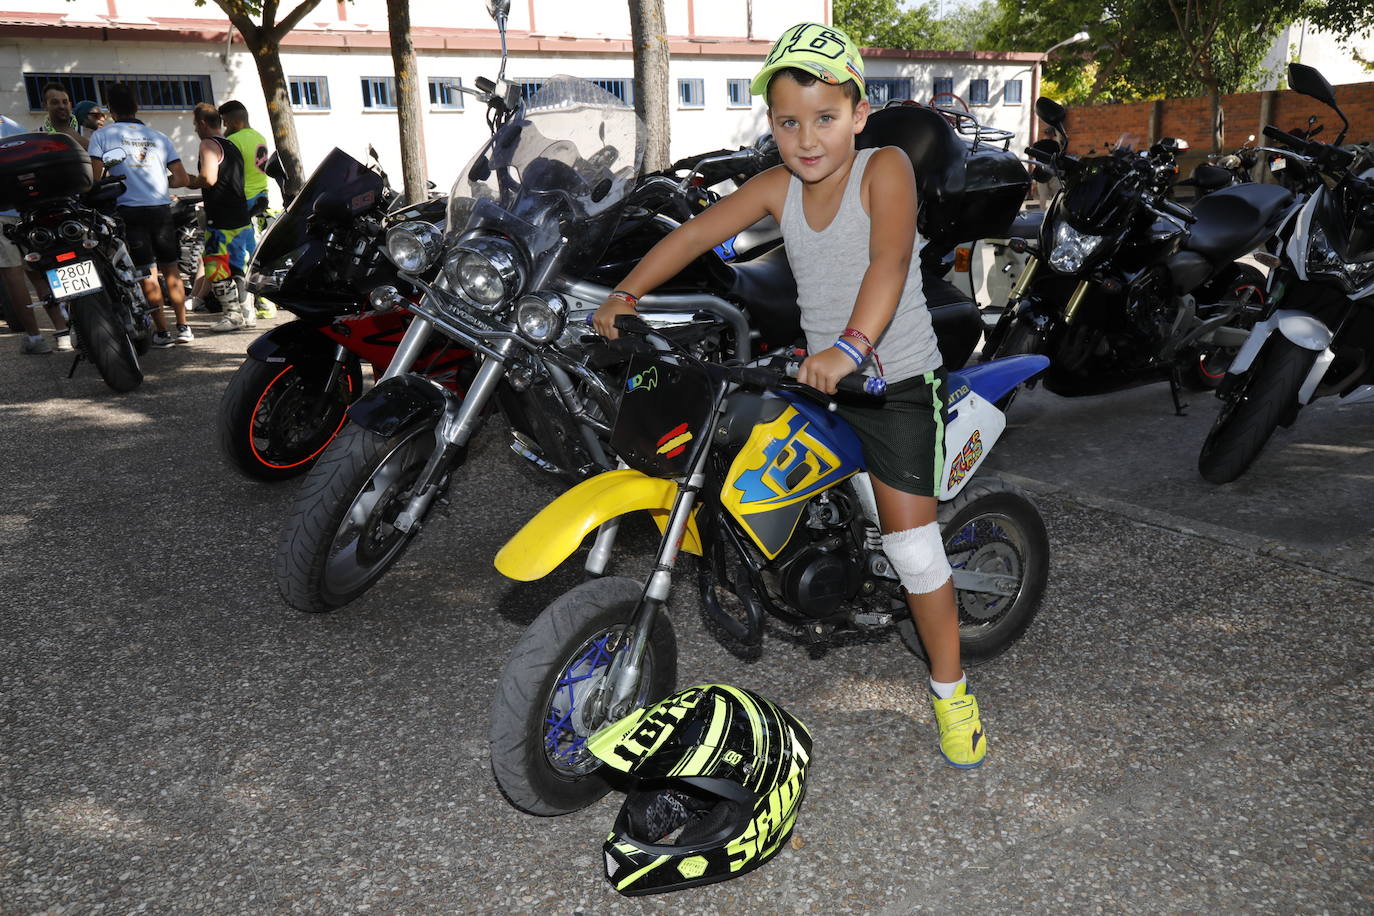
(759, 197)
(889, 196)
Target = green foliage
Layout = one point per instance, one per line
(884, 24)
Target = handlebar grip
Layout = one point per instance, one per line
(632, 324)
(863, 385)
(1273, 133)
(1173, 209)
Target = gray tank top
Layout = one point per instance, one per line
(829, 266)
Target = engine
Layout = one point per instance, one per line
(822, 569)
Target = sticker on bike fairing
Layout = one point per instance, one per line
(958, 393)
(967, 460)
(644, 381)
(780, 467)
(726, 249)
(674, 442)
(362, 201)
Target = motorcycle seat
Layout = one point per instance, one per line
(1235, 220)
(766, 287)
(954, 317)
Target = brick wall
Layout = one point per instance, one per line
(1091, 126)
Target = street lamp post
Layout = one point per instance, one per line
(1073, 39)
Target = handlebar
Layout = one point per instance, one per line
(1328, 157)
(1169, 208)
(860, 386)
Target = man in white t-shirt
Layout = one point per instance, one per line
(145, 206)
(12, 278)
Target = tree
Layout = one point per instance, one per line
(410, 122)
(649, 34)
(883, 24)
(263, 39)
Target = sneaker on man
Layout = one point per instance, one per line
(35, 346)
(266, 310)
(232, 321)
(962, 741)
(183, 334)
(162, 340)
(62, 341)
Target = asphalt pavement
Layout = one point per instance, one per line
(1185, 728)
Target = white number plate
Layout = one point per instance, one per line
(73, 279)
(1278, 164)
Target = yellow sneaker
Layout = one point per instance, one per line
(962, 741)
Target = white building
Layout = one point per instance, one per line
(339, 66)
(1302, 43)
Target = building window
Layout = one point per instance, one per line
(691, 93)
(944, 86)
(977, 92)
(1011, 93)
(379, 93)
(528, 88)
(882, 90)
(739, 93)
(161, 92)
(621, 88)
(444, 93)
(309, 93)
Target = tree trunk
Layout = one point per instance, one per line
(278, 99)
(1218, 118)
(409, 117)
(649, 33)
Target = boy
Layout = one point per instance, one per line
(848, 220)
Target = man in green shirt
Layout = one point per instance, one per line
(253, 146)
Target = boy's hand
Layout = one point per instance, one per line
(603, 319)
(824, 370)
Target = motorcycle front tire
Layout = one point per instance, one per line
(268, 428)
(339, 540)
(1253, 410)
(1020, 339)
(991, 527)
(539, 716)
(105, 343)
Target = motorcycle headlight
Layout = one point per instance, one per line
(1322, 258)
(413, 245)
(541, 316)
(1071, 248)
(487, 271)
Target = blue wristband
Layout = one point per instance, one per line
(848, 349)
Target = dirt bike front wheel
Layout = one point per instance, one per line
(552, 695)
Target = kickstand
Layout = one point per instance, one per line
(1175, 389)
(76, 361)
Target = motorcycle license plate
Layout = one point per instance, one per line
(73, 279)
(1278, 164)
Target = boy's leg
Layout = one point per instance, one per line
(912, 542)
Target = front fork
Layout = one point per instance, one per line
(455, 428)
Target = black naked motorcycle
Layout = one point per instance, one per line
(79, 249)
(1317, 339)
(1125, 286)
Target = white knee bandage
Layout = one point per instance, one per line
(918, 555)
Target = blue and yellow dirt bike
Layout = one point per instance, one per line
(747, 470)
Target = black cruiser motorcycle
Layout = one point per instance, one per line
(79, 249)
(1126, 287)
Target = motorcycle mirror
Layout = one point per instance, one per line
(1310, 82)
(498, 9)
(114, 157)
(1051, 112)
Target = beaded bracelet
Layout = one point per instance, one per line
(627, 297)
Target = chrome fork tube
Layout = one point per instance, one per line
(408, 350)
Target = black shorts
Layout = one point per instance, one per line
(904, 438)
(151, 235)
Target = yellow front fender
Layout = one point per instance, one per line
(551, 536)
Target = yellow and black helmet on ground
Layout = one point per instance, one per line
(722, 773)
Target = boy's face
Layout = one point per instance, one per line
(814, 127)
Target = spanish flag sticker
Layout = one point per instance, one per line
(674, 442)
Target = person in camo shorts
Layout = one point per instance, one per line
(228, 228)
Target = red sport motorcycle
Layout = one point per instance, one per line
(323, 261)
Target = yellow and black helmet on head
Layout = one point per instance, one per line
(722, 773)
